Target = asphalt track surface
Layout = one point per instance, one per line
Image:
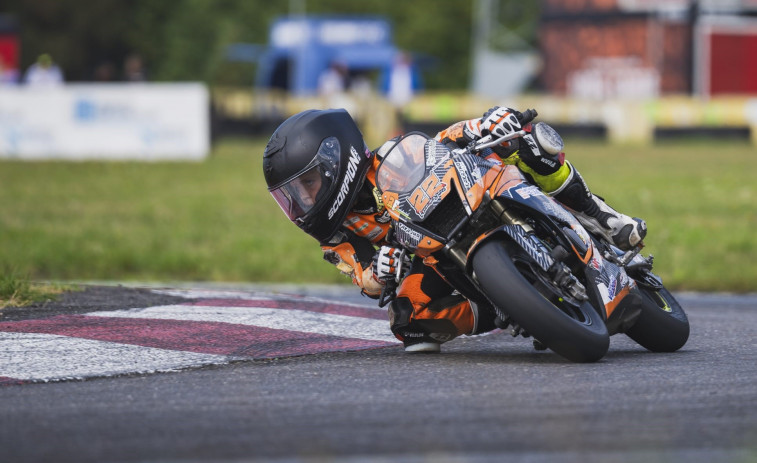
(488, 398)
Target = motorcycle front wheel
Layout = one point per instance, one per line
(662, 325)
(573, 330)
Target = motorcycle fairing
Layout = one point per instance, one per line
(533, 197)
(407, 236)
(443, 172)
(609, 282)
(414, 202)
(443, 169)
(474, 175)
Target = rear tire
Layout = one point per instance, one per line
(577, 333)
(662, 325)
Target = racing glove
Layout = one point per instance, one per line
(500, 121)
(390, 264)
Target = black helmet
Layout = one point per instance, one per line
(314, 165)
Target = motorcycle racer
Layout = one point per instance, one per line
(323, 176)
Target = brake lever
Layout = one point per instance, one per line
(487, 142)
(388, 293)
(628, 256)
(398, 275)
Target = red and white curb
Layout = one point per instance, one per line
(219, 328)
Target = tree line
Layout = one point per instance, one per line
(186, 40)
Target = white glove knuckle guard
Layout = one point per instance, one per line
(385, 266)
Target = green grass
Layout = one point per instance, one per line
(698, 198)
(17, 290)
(211, 221)
(215, 221)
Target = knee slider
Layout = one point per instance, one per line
(438, 330)
(431, 330)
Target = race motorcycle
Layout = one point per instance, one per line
(511, 249)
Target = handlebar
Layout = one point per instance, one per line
(527, 116)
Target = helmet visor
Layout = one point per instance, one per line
(306, 189)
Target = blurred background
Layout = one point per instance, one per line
(658, 99)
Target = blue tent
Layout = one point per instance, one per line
(301, 48)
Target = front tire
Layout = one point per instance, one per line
(576, 332)
(662, 325)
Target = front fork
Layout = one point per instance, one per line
(550, 261)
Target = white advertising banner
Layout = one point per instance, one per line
(105, 121)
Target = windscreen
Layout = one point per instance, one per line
(403, 166)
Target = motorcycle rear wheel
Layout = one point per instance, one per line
(662, 325)
(574, 331)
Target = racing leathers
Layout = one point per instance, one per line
(427, 311)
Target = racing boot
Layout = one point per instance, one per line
(596, 216)
(437, 322)
(414, 334)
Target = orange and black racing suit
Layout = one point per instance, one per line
(426, 308)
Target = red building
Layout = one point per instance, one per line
(9, 49)
(646, 48)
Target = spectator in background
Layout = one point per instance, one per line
(105, 72)
(44, 72)
(401, 81)
(8, 75)
(134, 69)
(333, 84)
(333, 81)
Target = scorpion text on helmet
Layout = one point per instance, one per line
(349, 177)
